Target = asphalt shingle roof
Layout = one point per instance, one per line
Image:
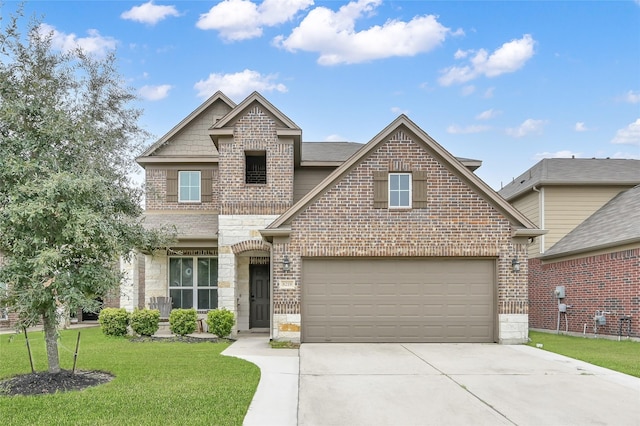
(575, 171)
(617, 222)
(329, 151)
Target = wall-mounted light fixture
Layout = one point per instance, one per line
(515, 264)
(286, 264)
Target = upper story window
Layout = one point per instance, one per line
(399, 190)
(189, 187)
(256, 167)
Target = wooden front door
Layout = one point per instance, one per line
(259, 305)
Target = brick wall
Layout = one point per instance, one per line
(609, 282)
(256, 131)
(156, 190)
(456, 222)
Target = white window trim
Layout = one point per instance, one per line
(180, 200)
(194, 288)
(410, 190)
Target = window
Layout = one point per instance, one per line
(399, 190)
(189, 186)
(256, 167)
(396, 190)
(193, 287)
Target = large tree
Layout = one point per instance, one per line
(68, 209)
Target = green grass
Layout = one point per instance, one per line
(156, 383)
(623, 356)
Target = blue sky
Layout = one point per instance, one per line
(506, 82)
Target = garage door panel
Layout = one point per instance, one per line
(397, 300)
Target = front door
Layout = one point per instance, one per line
(259, 305)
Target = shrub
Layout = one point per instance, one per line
(114, 321)
(145, 322)
(220, 322)
(183, 321)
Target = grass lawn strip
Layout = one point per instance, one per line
(623, 356)
(167, 383)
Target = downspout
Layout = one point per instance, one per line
(541, 212)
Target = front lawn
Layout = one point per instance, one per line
(623, 356)
(156, 383)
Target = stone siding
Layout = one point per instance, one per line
(233, 269)
(457, 222)
(606, 282)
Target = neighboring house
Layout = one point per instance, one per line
(590, 208)
(392, 241)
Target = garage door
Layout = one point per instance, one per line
(397, 300)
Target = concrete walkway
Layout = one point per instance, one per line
(275, 402)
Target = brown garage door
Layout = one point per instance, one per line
(397, 300)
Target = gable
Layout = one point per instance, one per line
(406, 147)
(451, 215)
(193, 138)
(189, 138)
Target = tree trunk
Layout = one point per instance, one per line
(51, 340)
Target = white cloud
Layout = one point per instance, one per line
(489, 92)
(334, 138)
(149, 13)
(457, 130)
(238, 85)
(631, 96)
(468, 90)
(488, 114)
(510, 57)
(243, 19)
(461, 54)
(528, 126)
(580, 127)
(94, 43)
(154, 93)
(630, 135)
(558, 154)
(398, 111)
(334, 37)
(626, 155)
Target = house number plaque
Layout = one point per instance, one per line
(288, 284)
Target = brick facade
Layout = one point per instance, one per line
(256, 131)
(456, 222)
(608, 282)
(156, 189)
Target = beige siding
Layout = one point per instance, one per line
(306, 179)
(567, 207)
(194, 138)
(529, 205)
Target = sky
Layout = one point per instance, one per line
(505, 82)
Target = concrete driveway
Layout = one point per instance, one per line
(458, 384)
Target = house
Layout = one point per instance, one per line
(591, 252)
(395, 240)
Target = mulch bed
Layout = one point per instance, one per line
(42, 383)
